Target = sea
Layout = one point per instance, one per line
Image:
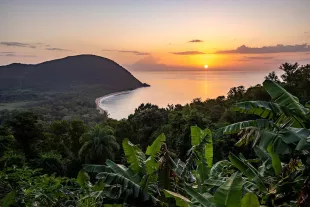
(178, 87)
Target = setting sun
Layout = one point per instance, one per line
(205, 66)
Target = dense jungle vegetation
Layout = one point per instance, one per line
(250, 148)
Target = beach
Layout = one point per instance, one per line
(99, 100)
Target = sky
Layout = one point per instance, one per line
(158, 34)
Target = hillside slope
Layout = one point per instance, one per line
(67, 73)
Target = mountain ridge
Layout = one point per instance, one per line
(63, 73)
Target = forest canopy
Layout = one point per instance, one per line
(250, 148)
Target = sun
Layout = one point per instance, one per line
(205, 66)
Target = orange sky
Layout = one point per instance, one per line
(187, 34)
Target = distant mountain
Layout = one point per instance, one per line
(67, 73)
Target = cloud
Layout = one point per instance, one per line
(250, 58)
(195, 41)
(56, 49)
(134, 52)
(188, 53)
(14, 54)
(267, 49)
(18, 44)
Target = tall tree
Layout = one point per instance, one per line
(99, 144)
(26, 130)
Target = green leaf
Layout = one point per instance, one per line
(179, 199)
(250, 200)
(83, 179)
(209, 148)
(263, 109)
(99, 186)
(9, 199)
(121, 170)
(203, 200)
(197, 136)
(280, 96)
(243, 166)
(248, 170)
(218, 168)
(298, 136)
(275, 160)
(154, 149)
(229, 194)
(134, 155)
(269, 110)
(215, 182)
(128, 191)
(237, 127)
(151, 166)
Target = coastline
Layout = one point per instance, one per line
(100, 99)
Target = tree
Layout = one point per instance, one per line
(236, 93)
(297, 80)
(273, 77)
(26, 130)
(99, 144)
(145, 121)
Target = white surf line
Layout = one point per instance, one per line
(102, 98)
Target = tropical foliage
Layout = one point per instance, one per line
(249, 149)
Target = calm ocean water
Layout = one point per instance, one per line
(178, 87)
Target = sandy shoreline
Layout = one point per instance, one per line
(110, 95)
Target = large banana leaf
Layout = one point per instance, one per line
(262, 154)
(263, 109)
(202, 199)
(134, 155)
(276, 162)
(248, 170)
(285, 140)
(280, 96)
(237, 127)
(297, 136)
(271, 111)
(250, 200)
(179, 199)
(215, 182)
(218, 168)
(229, 194)
(128, 191)
(121, 170)
(198, 136)
(154, 149)
(83, 179)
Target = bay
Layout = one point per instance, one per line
(177, 87)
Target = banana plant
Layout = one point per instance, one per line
(283, 125)
(139, 182)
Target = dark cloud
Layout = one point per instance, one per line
(188, 53)
(18, 44)
(134, 52)
(195, 41)
(250, 58)
(267, 49)
(14, 54)
(56, 49)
